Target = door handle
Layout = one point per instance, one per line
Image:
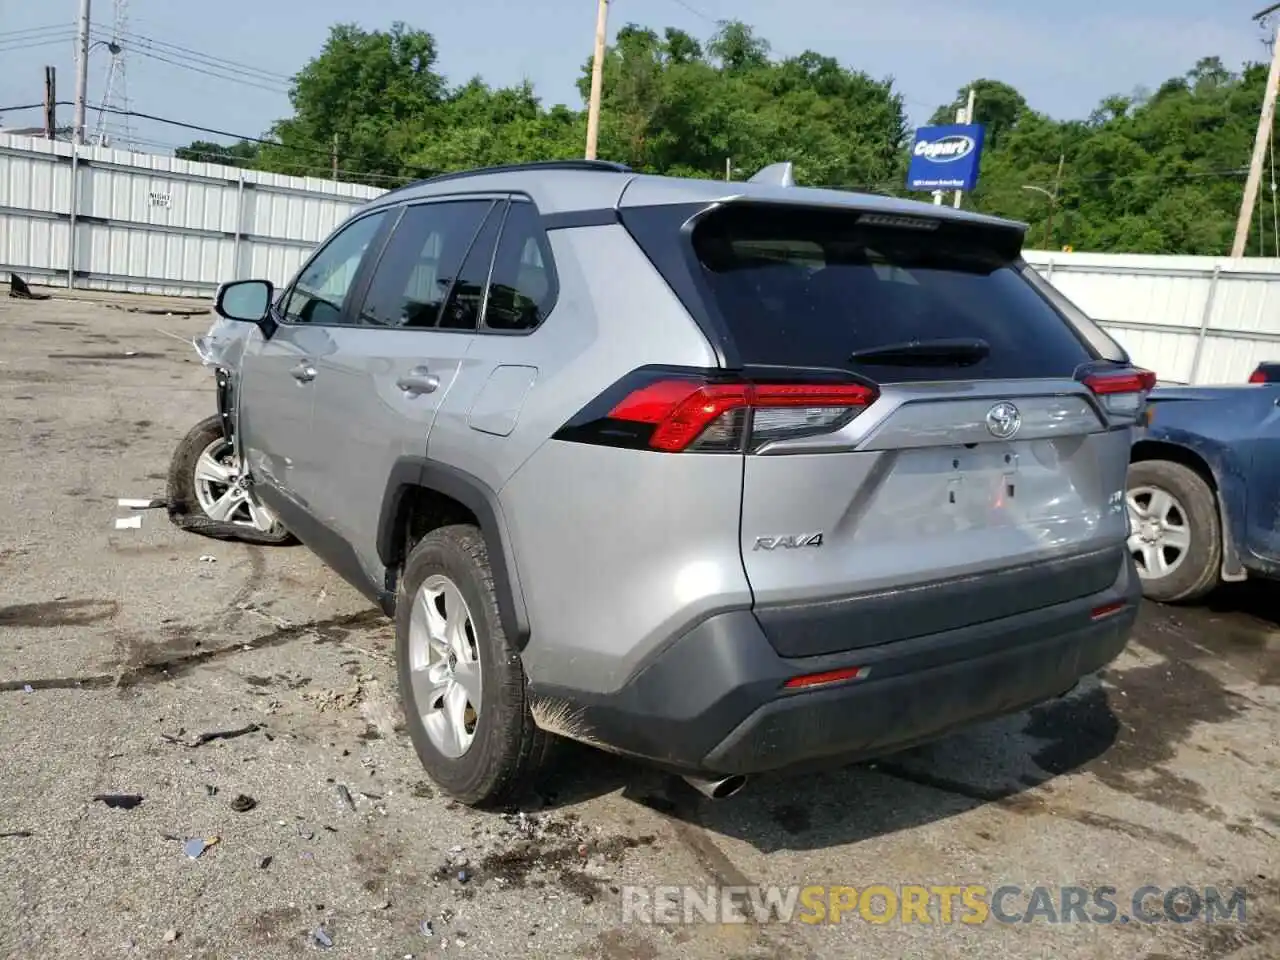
(303, 372)
(418, 381)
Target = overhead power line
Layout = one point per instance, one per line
(32, 31)
(208, 59)
(226, 74)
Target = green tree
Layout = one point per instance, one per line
(240, 154)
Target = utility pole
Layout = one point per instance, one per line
(50, 102)
(728, 168)
(1053, 204)
(82, 70)
(597, 78)
(334, 154)
(1265, 121)
(964, 116)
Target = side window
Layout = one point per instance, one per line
(320, 292)
(522, 288)
(420, 263)
(467, 299)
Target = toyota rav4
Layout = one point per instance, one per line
(729, 477)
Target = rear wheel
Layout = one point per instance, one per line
(1176, 538)
(461, 681)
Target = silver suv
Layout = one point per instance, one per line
(731, 477)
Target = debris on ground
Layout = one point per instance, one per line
(129, 523)
(27, 688)
(204, 738)
(304, 833)
(264, 863)
(243, 803)
(119, 801)
(210, 789)
(170, 936)
(423, 790)
(322, 938)
(325, 700)
(198, 845)
(426, 929)
(208, 558)
(17, 834)
(345, 796)
(19, 290)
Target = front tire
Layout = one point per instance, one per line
(205, 496)
(461, 681)
(1177, 536)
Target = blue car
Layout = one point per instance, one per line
(1204, 489)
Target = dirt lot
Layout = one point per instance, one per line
(119, 647)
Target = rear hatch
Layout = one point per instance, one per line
(929, 443)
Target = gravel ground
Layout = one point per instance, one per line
(120, 647)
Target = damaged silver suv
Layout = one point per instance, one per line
(730, 477)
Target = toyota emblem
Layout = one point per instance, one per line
(1004, 420)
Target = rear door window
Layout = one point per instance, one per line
(808, 288)
(421, 261)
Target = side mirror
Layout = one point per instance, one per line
(248, 301)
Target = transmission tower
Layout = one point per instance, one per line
(114, 128)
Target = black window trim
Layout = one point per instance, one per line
(376, 245)
(548, 262)
(494, 197)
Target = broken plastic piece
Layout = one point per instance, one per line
(208, 558)
(129, 523)
(134, 503)
(212, 735)
(322, 938)
(264, 863)
(198, 845)
(27, 688)
(119, 801)
(345, 796)
(426, 929)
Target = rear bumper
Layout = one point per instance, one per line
(713, 703)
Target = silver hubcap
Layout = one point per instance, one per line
(223, 493)
(444, 665)
(1161, 534)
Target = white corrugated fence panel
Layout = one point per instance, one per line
(147, 223)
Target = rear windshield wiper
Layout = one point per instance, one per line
(961, 352)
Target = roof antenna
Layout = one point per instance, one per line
(777, 174)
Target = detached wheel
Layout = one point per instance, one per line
(207, 494)
(1177, 538)
(461, 680)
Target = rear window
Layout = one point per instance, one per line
(809, 288)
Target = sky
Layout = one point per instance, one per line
(1063, 62)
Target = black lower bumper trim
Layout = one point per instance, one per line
(713, 702)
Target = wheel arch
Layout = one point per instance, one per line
(449, 495)
(1149, 449)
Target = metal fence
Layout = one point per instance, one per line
(1190, 319)
(104, 219)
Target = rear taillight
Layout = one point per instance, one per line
(1122, 392)
(703, 414)
(1258, 376)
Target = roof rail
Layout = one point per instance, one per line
(584, 166)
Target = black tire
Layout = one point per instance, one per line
(183, 504)
(509, 749)
(1200, 571)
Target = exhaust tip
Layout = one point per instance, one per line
(719, 789)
